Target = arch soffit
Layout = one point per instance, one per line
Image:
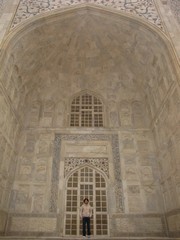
(55, 15)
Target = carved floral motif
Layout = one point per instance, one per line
(143, 8)
(100, 163)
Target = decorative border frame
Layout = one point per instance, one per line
(72, 162)
(113, 139)
(145, 9)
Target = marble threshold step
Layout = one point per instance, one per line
(79, 238)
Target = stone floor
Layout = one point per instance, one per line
(78, 238)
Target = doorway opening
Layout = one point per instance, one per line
(90, 183)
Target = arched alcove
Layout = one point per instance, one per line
(132, 65)
(95, 52)
(86, 182)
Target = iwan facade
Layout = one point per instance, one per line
(90, 107)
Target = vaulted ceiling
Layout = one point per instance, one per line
(88, 48)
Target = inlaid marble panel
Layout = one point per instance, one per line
(145, 9)
(152, 224)
(175, 6)
(1, 4)
(113, 139)
(25, 224)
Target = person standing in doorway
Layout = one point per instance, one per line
(85, 214)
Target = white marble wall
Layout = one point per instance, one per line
(7, 11)
(144, 9)
(43, 71)
(166, 131)
(9, 129)
(175, 6)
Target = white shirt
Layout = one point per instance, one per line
(85, 210)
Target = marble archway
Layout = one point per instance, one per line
(46, 61)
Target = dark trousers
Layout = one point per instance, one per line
(86, 223)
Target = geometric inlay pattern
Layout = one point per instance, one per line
(71, 163)
(175, 6)
(145, 9)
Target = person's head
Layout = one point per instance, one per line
(86, 201)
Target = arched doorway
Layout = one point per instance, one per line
(125, 76)
(86, 182)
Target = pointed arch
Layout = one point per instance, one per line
(86, 181)
(87, 110)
